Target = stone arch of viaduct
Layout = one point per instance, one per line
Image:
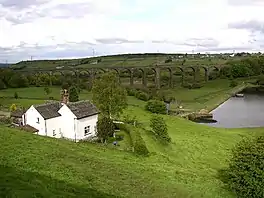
(93, 72)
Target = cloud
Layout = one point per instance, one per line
(246, 2)
(252, 25)
(116, 41)
(21, 4)
(67, 28)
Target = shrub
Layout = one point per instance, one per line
(195, 85)
(129, 120)
(131, 91)
(2, 84)
(5, 120)
(159, 128)
(13, 107)
(245, 174)
(138, 144)
(233, 83)
(73, 94)
(260, 80)
(156, 106)
(142, 96)
(168, 60)
(15, 95)
(105, 128)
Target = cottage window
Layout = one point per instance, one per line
(38, 120)
(54, 133)
(87, 130)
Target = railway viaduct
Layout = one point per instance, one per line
(93, 71)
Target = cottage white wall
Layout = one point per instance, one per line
(54, 124)
(31, 116)
(67, 122)
(84, 122)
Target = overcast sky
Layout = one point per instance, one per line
(47, 29)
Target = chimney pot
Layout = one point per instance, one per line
(64, 96)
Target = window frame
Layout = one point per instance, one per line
(38, 120)
(54, 132)
(87, 130)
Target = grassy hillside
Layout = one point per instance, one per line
(133, 60)
(31, 165)
(208, 96)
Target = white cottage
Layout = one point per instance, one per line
(71, 120)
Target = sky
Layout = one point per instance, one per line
(53, 29)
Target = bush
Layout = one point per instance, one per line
(131, 91)
(233, 83)
(159, 128)
(130, 120)
(195, 85)
(168, 60)
(5, 120)
(260, 80)
(73, 94)
(105, 128)
(156, 106)
(2, 84)
(15, 95)
(139, 146)
(245, 174)
(142, 96)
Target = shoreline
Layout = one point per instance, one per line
(232, 92)
(226, 96)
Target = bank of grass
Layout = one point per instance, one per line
(47, 167)
(31, 165)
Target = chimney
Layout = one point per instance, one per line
(64, 96)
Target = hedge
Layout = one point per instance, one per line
(138, 144)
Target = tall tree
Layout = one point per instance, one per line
(105, 128)
(109, 96)
(73, 94)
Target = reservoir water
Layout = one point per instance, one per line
(240, 112)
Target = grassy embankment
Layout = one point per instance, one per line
(118, 61)
(208, 97)
(186, 168)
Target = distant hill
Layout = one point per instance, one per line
(4, 65)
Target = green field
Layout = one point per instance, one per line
(207, 97)
(34, 166)
(56, 168)
(140, 60)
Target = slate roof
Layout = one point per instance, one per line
(17, 113)
(49, 110)
(82, 109)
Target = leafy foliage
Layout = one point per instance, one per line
(260, 80)
(47, 90)
(105, 128)
(245, 174)
(139, 146)
(108, 95)
(142, 96)
(73, 94)
(159, 128)
(13, 107)
(156, 106)
(195, 85)
(2, 84)
(244, 67)
(233, 83)
(15, 95)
